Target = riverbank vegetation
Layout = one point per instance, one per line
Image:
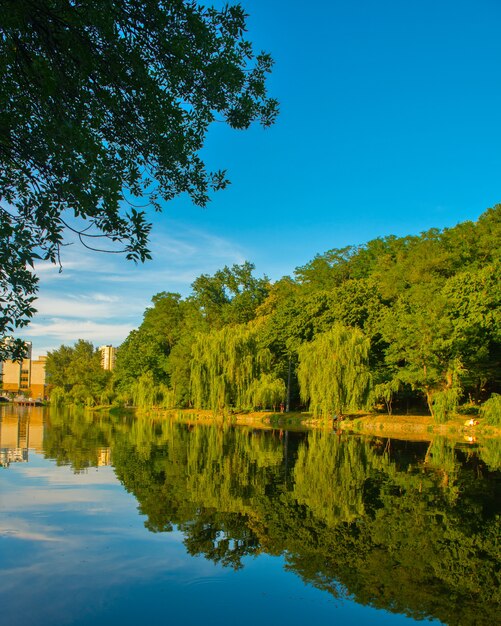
(407, 324)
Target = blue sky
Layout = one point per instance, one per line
(389, 124)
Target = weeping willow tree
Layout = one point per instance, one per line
(58, 397)
(266, 392)
(491, 410)
(333, 371)
(444, 401)
(143, 391)
(224, 367)
(146, 393)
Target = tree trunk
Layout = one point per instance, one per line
(288, 402)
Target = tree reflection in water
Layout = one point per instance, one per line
(408, 527)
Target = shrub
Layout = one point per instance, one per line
(491, 410)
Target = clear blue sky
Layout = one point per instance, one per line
(389, 124)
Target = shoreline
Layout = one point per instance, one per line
(420, 427)
(409, 427)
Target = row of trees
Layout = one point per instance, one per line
(400, 321)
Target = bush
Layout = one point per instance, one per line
(58, 397)
(445, 404)
(491, 410)
(468, 409)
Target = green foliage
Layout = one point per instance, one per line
(445, 402)
(333, 371)
(224, 367)
(266, 392)
(141, 352)
(164, 342)
(474, 308)
(421, 320)
(103, 106)
(468, 409)
(144, 392)
(164, 319)
(58, 397)
(491, 410)
(178, 368)
(231, 296)
(76, 375)
(385, 392)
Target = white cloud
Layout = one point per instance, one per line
(101, 297)
(192, 250)
(196, 246)
(95, 307)
(76, 259)
(67, 330)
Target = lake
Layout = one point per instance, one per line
(119, 520)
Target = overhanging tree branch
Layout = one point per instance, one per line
(105, 104)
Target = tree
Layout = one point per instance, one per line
(57, 368)
(421, 351)
(227, 368)
(164, 319)
(140, 352)
(267, 391)
(333, 371)
(231, 296)
(107, 104)
(474, 309)
(76, 373)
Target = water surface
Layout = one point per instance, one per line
(113, 520)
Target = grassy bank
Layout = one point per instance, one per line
(419, 427)
(412, 427)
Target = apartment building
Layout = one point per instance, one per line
(107, 357)
(26, 377)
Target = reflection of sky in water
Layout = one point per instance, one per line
(74, 550)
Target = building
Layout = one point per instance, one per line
(107, 357)
(103, 457)
(20, 432)
(26, 377)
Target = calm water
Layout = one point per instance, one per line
(108, 520)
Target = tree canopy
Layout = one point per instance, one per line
(333, 371)
(75, 373)
(105, 108)
(403, 323)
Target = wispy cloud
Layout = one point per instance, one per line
(67, 330)
(195, 246)
(192, 250)
(94, 306)
(101, 297)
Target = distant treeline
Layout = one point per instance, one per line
(397, 323)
